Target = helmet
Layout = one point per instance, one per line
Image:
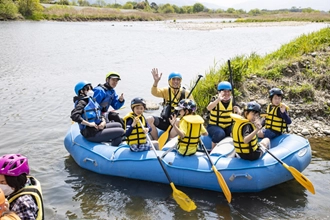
(224, 85)
(138, 101)
(275, 91)
(253, 106)
(112, 74)
(187, 104)
(13, 165)
(80, 86)
(174, 75)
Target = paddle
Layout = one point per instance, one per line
(231, 80)
(181, 198)
(303, 180)
(163, 138)
(220, 178)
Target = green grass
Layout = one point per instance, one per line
(271, 68)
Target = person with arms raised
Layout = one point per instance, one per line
(171, 95)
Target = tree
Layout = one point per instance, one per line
(128, 6)
(255, 12)
(8, 9)
(154, 6)
(198, 7)
(28, 7)
(230, 10)
(167, 8)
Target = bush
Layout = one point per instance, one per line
(28, 7)
(8, 10)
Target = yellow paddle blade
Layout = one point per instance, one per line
(223, 184)
(163, 138)
(301, 178)
(183, 200)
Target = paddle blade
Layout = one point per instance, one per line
(183, 200)
(301, 178)
(163, 138)
(223, 184)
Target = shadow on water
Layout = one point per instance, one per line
(103, 196)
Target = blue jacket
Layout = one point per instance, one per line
(106, 97)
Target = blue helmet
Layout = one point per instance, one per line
(174, 75)
(80, 85)
(253, 106)
(224, 85)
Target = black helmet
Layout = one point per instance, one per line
(275, 91)
(138, 101)
(253, 106)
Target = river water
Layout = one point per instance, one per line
(40, 62)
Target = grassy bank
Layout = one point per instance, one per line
(301, 68)
(297, 16)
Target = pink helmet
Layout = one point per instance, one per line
(13, 165)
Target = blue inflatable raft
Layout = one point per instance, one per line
(193, 171)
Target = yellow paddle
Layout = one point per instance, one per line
(181, 198)
(163, 138)
(303, 180)
(220, 178)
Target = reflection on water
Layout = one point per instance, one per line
(103, 196)
(320, 147)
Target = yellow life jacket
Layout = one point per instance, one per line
(273, 121)
(220, 115)
(188, 144)
(240, 146)
(175, 100)
(137, 136)
(35, 191)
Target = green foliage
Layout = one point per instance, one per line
(255, 12)
(128, 6)
(167, 8)
(28, 7)
(231, 10)
(304, 92)
(83, 3)
(269, 67)
(8, 10)
(198, 7)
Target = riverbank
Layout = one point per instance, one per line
(300, 68)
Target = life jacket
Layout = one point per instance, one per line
(273, 120)
(188, 144)
(175, 101)
(240, 146)
(108, 98)
(35, 191)
(220, 115)
(137, 136)
(92, 113)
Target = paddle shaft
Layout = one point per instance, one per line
(231, 80)
(163, 138)
(221, 180)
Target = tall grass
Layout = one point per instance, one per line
(270, 67)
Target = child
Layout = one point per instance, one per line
(245, 133)
(190, 127)
(277, 119)
(92, 123)
(136, 136)
(4, 213)
(220, 107)
(23, 192)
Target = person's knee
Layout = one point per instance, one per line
(218, 136)
(150, 120)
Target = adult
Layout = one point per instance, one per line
(23, 192)
(106, 96)
(92, 123)
(171, 96)
(220, 107)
